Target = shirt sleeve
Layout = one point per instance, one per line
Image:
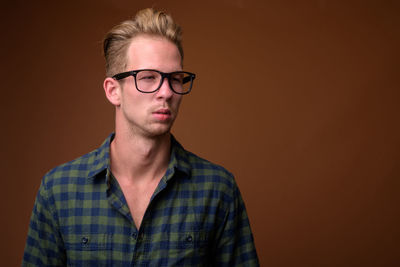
(235, 243)
(44, 245)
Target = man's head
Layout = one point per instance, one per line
(146, 22)
(145, 80)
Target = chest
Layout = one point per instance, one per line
(138, 198)
(179, 225)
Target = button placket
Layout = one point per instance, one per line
(140, 237)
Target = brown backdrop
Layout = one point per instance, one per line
(299, 99)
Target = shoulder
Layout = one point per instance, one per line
(209, 176)
(74, 169)
(72, 172)
(79, 170)
(198, 167)
(212, 185)
(201, 166)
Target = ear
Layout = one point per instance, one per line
(112, 88)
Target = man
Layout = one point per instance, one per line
(141, 199)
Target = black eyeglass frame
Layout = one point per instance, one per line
(164, 75)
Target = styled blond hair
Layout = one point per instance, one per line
(146, 21)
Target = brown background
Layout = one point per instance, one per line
(299, 99)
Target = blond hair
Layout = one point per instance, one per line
(146, 21)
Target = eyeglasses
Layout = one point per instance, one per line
(149, 81)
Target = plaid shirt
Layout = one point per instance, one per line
(196, 217)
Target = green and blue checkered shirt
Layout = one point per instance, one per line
(196, 217)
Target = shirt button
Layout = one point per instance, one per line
(134, 235)
(189, 238)
(85, 240)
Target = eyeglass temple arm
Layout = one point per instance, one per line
(123, 75)
(188, 79)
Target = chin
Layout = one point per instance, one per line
(159, 131)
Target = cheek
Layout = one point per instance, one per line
(130, 98)
(177, 100)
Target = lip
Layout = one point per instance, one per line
(165, 111)
(162, 114)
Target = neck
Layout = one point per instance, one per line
(139, 158)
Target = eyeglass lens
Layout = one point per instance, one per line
(149, 81)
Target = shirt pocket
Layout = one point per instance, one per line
(187, 248)
(88, 242)
(187, 240)
(88, 249)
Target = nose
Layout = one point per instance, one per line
(165, 90)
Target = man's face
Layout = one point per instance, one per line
(149, 114)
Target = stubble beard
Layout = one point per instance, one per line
(151, 129)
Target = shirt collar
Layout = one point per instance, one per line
(178, 160)
(101, 160)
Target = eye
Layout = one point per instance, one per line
(147, 77)
(177, 78)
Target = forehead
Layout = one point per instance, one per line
(153, 52)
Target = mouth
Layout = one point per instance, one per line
(162, 114)
(163, 111)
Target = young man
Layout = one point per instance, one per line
(141, 199)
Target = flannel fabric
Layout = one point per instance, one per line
(196, 217)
